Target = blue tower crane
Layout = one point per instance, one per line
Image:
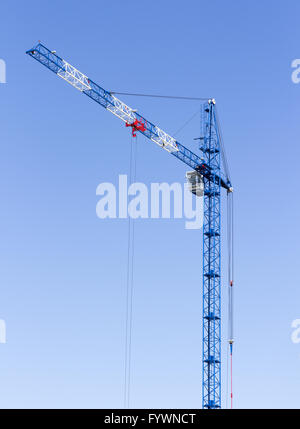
(208, 167)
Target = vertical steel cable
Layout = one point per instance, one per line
(232, 296)
(129, 282)
(228, 317)
(127, 288)
(132, 283)
(230, 249)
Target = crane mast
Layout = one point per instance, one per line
(211, 386)
(209, 167)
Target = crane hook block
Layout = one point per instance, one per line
(137, 125)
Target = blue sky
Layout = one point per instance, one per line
(63, 270)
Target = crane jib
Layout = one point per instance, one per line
(131, 118)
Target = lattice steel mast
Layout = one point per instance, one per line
(211, 388)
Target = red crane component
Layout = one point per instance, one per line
(137, 125)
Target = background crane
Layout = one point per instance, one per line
(209, 169)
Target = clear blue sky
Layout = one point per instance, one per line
(62, 270)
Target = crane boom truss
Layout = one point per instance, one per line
(85, 85)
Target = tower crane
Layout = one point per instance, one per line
(209, 169)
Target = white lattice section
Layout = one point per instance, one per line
(164, 140)
(81, 82)
(121, 110)
(74, 77)
(124, 112)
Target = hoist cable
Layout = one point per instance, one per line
(228, 315)
(230, 226)
(160, 96)
(132, 283)
(186, 123)
(223, 153)
(227, 375)
(127, 291)
(232, 276)
(129, 283)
